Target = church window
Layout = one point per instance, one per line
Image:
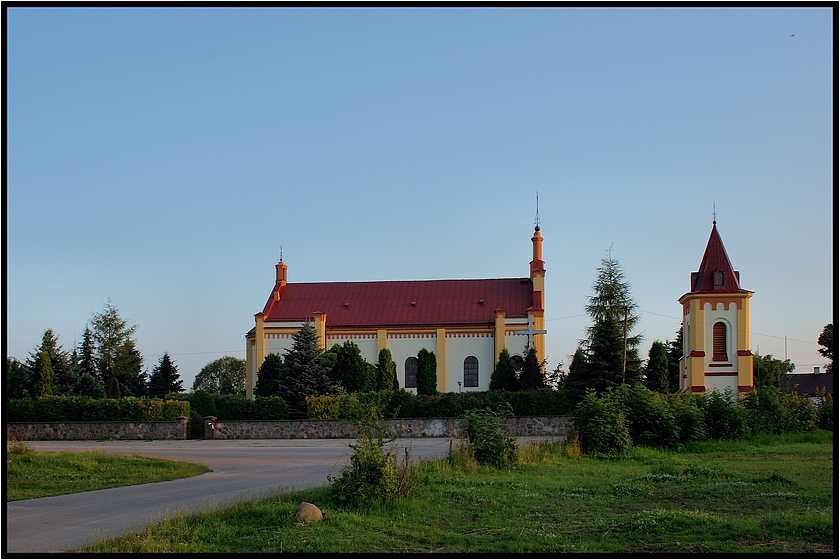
(411, 372)
(719, 278)
(719, 343)
(471, 371)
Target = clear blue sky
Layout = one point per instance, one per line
(161, 157)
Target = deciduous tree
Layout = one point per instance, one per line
(826, 340)
(769, 371)
(675, 352)
(225, 376)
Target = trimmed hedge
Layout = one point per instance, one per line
(235, 407)
(405, 404)
(87, 409)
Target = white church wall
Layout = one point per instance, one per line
(367, 344)
(458, 348)
(721, 382)
(403, 346)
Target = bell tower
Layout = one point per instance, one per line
(716, 326)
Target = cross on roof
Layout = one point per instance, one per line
(531, 331)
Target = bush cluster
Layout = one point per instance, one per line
(374, 474)
(87, 409)
(487, 440)
(405, 404)
(610, 422)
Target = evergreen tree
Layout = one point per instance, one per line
(386, 372)
(504, 377)
(268, 377)
(304, 373)
(578, 380)
(657, 368)
(62, 378)
(426, 373)
(118, 361)
(675, 352)
(351, 370)
(42, 385)
(611, 350)
(18, 380)
(165, 378)
(89, 386)
(225, 376)
(532, 375)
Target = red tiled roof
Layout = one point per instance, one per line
(715, 259)
(402, 303)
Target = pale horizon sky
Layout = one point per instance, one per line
(160, 157)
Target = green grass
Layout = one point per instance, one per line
(33, 474)
(764, 495)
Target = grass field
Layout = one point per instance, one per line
(33, 474)
(769, 494)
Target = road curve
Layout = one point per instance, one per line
(241, 469)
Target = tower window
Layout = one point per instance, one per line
(719, 343)
(718, 278)
(471, 371)
(411, 372)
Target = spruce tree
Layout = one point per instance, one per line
(87, 381)
(578, 379)
(386, 372)
(18, 380)
(119, 362)
(268, 377)
(426, 373)
(503, 377)
(532, 375)
(304, 373)
(165, 378)
(657, 368)
(611, 349)
(60, 363)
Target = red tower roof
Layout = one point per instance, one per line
(402, 303)
(716, 273)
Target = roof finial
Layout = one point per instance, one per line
(537, 218)
(714, 214)
(281, 253)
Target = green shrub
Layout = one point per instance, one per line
(771, 410)
(87, 409)
(404, 404)
(233, 407)
(688, 415)
(488, 441)
(650, 417)
(203, 403)
(269, 408)
(722, 416)
(600, 425)
(373, 474)
(825, 410)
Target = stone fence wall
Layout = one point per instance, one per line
(34, 431)
(538, 426)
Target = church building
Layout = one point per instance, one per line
(716, 326)
(465, 323)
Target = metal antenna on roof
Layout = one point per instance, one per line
(537, 218)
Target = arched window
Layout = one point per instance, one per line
(719, 343)
(471, 371)
(719, 278)
(411, 372)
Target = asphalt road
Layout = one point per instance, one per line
(241, 469)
